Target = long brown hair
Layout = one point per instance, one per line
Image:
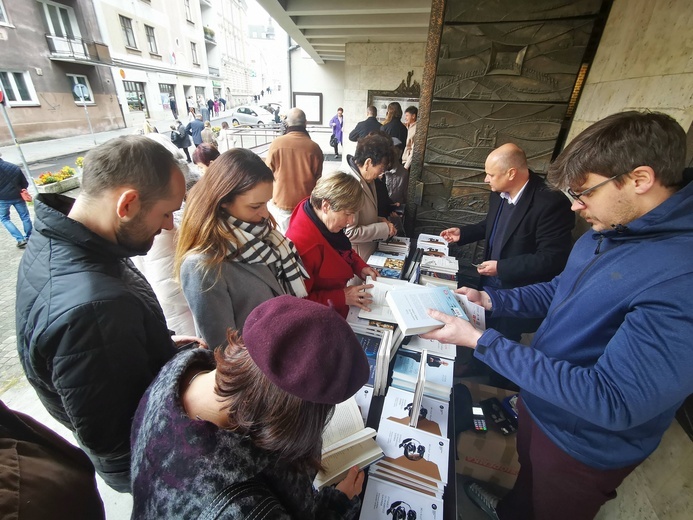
(394, 111)
(205, 229)
(273, 419)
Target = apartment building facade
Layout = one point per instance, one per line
(47, 49)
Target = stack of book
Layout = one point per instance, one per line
(440, 271)
(433, 245)
(395, 245)
(439, 372)
(388, 264)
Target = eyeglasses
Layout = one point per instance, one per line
(576, 195)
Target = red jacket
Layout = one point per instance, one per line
(329, 271)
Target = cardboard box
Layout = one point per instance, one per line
(489, 457)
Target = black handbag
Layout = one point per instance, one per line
(333, 141)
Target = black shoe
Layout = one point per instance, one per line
(21, 244)
(484, 500)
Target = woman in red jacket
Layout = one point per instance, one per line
(317, 230)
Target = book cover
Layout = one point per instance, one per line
(434, 347)
(414, 451)
(410, 307)
(433, 414)
(388, 501)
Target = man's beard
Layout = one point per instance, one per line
(134, 236)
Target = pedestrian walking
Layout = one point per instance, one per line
(13, 187)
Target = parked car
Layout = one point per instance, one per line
(251, 115)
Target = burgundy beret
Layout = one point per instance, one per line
(306, 349)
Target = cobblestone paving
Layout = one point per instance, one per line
(10, 370)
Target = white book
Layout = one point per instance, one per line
(432, 244)
(447, 264)
(363, 398)
(433, 413)
(414, 451)
(475, 312)
(388, 501)
(380, 310)
(383, 472)
(439, 372)
(410, 307)
(346, 443)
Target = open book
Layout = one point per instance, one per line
(346, 443)
(380, 310)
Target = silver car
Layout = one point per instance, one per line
(250, 115)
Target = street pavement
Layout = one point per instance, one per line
(15, 391)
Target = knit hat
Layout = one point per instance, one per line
(306, 349)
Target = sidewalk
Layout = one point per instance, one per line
(37, 151)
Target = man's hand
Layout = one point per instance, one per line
(479, 297)
(455, 330)
(488, 268)
(451, 235)
(369, 271)
(184, 340)
(352, 483)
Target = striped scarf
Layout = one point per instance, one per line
(260, 244)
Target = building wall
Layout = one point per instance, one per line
(376, 66)
(644, 61)
(53, 112)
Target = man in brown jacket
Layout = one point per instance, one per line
(296, 162)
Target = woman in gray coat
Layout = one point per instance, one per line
(230, 258)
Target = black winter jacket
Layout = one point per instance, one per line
(90, 333)
(12, 181)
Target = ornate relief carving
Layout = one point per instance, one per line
(534, 61)
(463, 133)
(514, 10)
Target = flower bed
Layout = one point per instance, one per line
(57, 182)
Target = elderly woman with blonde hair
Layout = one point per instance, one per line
(317, 230)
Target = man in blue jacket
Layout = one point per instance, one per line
(610, 364)
(12, 182)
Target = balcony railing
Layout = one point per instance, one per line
(213, 71)
(78, 50)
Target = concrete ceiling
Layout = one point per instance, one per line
(324, 27)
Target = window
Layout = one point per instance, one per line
(193, 50)
(188, 11)
(151, 39)
(74, 79)
(134, 93)
(126, 24)
(59, 20)
(3, 15)
(18, 88)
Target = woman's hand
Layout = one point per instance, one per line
(369, 271)
(352, 483)
(181, 341)
(392, 230)
(357, 295)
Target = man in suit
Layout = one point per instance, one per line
(527, 231)
(365, 127)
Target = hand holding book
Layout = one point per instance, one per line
(455, 330)
(359, 296)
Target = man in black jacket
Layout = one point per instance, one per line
(527, 230)
(91, 335)
(365, 127)
(12, 182)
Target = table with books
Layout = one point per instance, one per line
(400, 425)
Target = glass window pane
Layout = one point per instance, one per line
(21, 86)
(55, 20)
(3, 15)
(66, 23)
(9, 90)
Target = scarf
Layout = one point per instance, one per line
(338, 240)
(260, 244)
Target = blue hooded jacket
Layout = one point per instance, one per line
(613, 360)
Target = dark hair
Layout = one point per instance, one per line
(205, 153)
(372, 111)
(204, 228)
(340, 108)
(394, 111)
(224, 125)
(376, 146)
(271, 418)
(412, 110)
(620, 143)
(130, 160)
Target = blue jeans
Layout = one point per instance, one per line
(23, 212)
